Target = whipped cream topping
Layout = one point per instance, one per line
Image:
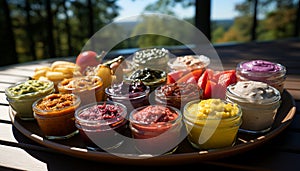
(255, 92)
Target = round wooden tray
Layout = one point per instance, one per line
(185, 152)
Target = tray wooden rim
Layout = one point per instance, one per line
(284, 120)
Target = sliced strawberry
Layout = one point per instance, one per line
(192, 76)
(203, 80)
(209, 88)
(219, 73)
(174, 76)
(224, 80)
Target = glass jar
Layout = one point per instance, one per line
(22, 95)
(150, 77)
(268, 72)
(88, 88)
(177, 94)
(132, 95)
(188, 62)
(102, 125)
(259, 103)
(212, 123)
(156, 129)
(55, 115)
(154, 58)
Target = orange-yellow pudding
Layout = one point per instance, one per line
(212, 123)
(55, 115)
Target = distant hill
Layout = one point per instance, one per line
(129, 25)
(222, 23)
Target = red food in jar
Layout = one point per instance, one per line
(177, 94)
(99, 123)
(159, 126)
(155, 114)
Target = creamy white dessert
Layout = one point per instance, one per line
(259, 102)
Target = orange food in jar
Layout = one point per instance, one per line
(55, 115)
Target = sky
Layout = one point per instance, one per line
(221, 9)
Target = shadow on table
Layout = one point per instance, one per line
(58, 161)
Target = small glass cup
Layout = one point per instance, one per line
(156, 137)
(154, 58)
(22, 95)
(55, 115)
(150, 77)
(268, 72)
(100, 130)
(188, 62)
(129, 99)
(210, 132)
(88, 88)
(258, 114)
(177, 94)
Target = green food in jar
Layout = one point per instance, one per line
(148, 75)
(29, 88)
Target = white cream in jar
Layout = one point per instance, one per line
(259, 103)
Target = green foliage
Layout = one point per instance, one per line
(170, 31)
(66, 13)
(278, 23)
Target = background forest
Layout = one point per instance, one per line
(39, 29)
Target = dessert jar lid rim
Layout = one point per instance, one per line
(178, 119)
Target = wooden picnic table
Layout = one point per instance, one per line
(282, 152)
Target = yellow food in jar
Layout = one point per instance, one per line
(213, 108)
(212, 123)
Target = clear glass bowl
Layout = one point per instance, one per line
(210, 132)
(154, 58)
(188, 62)
(102, 133)
(177, 94)
(88, 88)
(274, 77)
(156, 137)
(258, 115)
(150, 77)
(22, 95)
(130, 100)
(55, 115)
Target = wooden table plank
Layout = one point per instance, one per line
(16, 158)
(3, 86)
(3, 99)
(11, 79)
(4, 114)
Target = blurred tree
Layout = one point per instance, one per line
(297, 21)
(7, 42)
(50, 28)
(171, 32)
(29, 30)
(280, 22)
(35, 29)
(202, 11)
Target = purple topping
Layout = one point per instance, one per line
(260, 66)
(101, 112)
(133, 89)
